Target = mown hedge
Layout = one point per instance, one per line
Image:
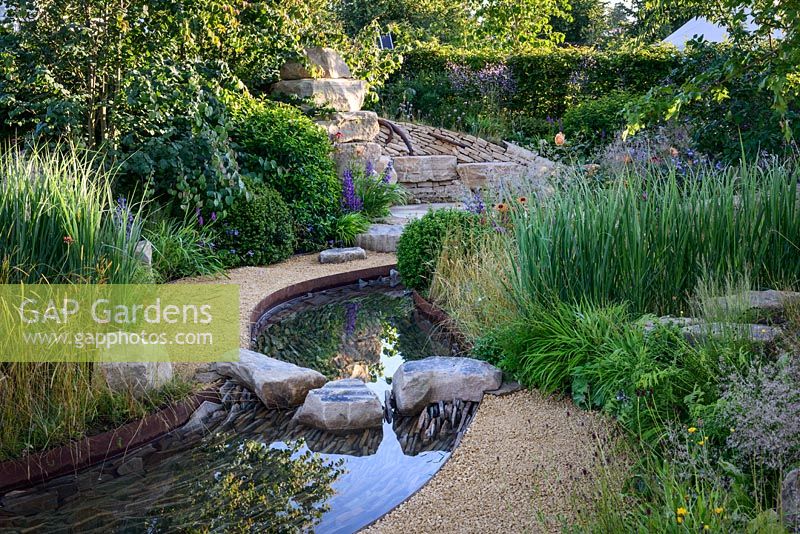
(550, 80)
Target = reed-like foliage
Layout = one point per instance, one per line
(648, 240)
(60, 223)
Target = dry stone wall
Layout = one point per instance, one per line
(472, 164)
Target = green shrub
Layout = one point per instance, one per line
(547, 81)
(176, 129)
(182, 249)
(258, 231)
(421, 243)
(284, 149)
(602, 117)
(60, 223)
(348, 226)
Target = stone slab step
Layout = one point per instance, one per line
(380, 237)
(406, 214)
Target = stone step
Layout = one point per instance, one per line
(406, 214)
(383, 236)
(380, 237)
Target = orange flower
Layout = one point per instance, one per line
(522, 200)
(68, 240)
(627, 159)
(502, 208)
(560, 139)
(674, 152)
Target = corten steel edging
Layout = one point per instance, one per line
(315, 284)
(439, 317)
(43, 466)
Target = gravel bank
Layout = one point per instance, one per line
(520, 468)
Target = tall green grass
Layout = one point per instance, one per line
(59, 221)
(648, 240)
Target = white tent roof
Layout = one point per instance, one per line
(711, 32)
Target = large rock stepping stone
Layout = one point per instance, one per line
(350, 126)
(380, 237)
(769, 300)
(414, 169)
(489, 174)
(757, 333)
(342, 255)
(341, 95)
(275, 383)
(341, 406)
(442, 378)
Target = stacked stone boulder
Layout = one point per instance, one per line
(324, 78)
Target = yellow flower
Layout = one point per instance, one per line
(718, 510)
(733, 430)
(701, 442)
(706, 527)
(692, 430)
(681, 511)
(680, 519)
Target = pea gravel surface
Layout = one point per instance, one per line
(525, 465)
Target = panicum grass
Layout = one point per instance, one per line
(470, 282)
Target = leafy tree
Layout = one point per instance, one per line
(586, 24)
(515, 23)
(755, 55)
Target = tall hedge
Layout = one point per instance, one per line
(550, 80)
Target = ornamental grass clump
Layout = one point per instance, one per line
(60, 223)
(648, 240)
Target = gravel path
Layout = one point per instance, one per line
(521, 467)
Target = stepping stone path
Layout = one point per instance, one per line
(342, 255)
(442, 378)
(275, 383)
(341, 406)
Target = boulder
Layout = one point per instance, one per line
(342, 255)
(341, 406)
(352, 155)
(341, 95)
(137, 378)
(380, 237)
(790, 498)
(419, 383)
(488, 174)
(322, 63)
(769, 300)
(276, 383)
(414, 169)
(350, 126)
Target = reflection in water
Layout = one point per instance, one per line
(348, 333)
(252, 487)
